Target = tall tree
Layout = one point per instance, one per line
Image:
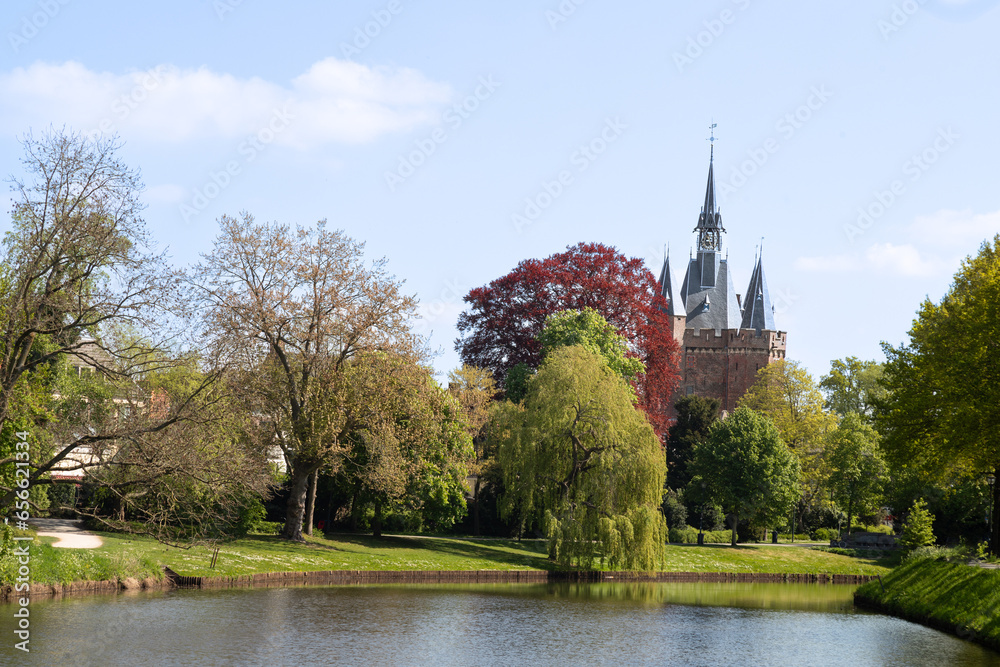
(500, 328)
(588, 329)
(695, 416)
(857, 467)
(787, 394)
(475, 389)
(577, 454)
(943, 405)
(409, 446)
(292, 308)
(80, 282)
(852, 385)
(747, 469)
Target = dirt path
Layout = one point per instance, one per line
(70, 533)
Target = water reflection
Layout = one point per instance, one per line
(607, 623)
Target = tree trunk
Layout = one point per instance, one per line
(995, 518)
(850, 516)
(736, 520)
(296, 507)
(377, 523)
(475, 508)
(311, 502)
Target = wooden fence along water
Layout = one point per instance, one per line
(364, 577)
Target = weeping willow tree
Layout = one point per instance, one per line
(579, 458)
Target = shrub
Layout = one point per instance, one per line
(825, 534)
(689, 535)
(918, 530)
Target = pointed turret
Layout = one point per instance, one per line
(709, 226)
(707, 291)
(666, 286)
(758, 313)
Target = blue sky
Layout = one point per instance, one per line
(458, 138)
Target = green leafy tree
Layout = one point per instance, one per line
(695, 416)
(852, 385)
(578, 455)
(787, 394)
(943, 407)
(918, 531)
(858, 469)
(747, 469)
(475, 389)
(588, 329)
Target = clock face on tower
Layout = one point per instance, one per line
(709, 239)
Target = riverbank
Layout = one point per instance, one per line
(953, 597)
(258, 559)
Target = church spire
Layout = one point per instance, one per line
(758, 313)
(710, 221)
(666, 289)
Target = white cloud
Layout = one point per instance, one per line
(881, 258)
(903, 260)
(333, 101)
(964, 230)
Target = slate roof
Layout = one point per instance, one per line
(758, 313)
(666, 288)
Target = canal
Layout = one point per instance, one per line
(503, 624)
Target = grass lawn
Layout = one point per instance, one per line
(767, 559)
(140, 557)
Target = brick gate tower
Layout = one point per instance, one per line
(725, 337)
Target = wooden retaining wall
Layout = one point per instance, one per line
(356, 577)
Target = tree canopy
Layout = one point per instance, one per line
(857, 467)
(747, 469)
(578, 456)
(292, 309)
(943, 407)
(500, 329)
(852, 385)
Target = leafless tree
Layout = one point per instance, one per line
(291, 308)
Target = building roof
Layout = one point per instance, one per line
(758, 313)
(666, 286)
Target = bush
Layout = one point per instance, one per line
(918, 530)
(825, 534)
(689, 535)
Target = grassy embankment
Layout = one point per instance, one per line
(953, 597)
(129, 556)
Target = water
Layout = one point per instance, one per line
(563, 624)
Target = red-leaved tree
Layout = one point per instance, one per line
(499, 329)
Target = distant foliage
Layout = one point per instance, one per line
(499, 329)
(918, 531)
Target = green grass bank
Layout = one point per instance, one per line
(129, 556)
(956, 598)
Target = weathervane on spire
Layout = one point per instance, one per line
(711, 139)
